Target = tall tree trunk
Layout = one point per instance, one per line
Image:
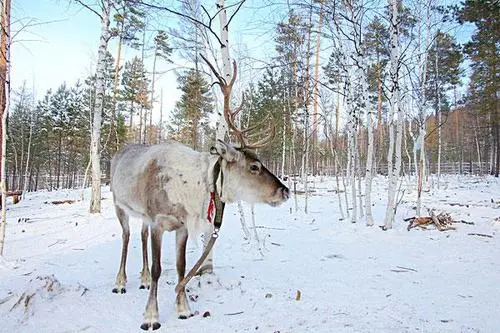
(95, 154)
(438, 114)
(160, 126)
(394, 115)
(112, 127)
(478, 149)
(226, 62)
(150, 136)
(5, 43)
(316, 88)
(59, 158)
(28, 156)
(283, 140)
(369, 171)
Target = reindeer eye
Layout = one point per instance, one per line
(255, 167)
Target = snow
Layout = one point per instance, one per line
(60, 263)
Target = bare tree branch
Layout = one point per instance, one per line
(89, 8)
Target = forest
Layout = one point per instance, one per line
(353, 89)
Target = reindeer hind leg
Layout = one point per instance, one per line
(121, 277)
(151, 315)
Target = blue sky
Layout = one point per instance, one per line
(61, 40)
(60, 44)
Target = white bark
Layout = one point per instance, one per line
(6, 42)
(150, 139)
(246, 232)
(439, 119)
(369, 171)
(478, 149)
(95, 154)
(283, 140)
(339, 192)
(305, 160)
(3, 183)
(392, 168)
(420, 147)
(28, 156)
(226, 63)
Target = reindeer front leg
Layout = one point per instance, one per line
(208, 264)
(145, 274)
(181, 302)
(151, 316)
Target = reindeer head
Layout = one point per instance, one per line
(245, 178)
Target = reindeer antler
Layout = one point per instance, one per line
(243, 135)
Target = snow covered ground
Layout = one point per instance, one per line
(60, 264)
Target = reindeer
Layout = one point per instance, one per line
(169, 187)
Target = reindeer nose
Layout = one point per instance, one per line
(285, 192)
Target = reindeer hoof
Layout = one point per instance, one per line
(119, 290)
(154, 326)
(184, 316)
(206, 269)
(144, 287)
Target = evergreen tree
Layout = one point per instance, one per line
(444, 59)
(483, 50)
(376, 43)
(267, 101)
(190, 116)
(135, 89)
(19, 124)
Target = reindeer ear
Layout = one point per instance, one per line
(227, 151)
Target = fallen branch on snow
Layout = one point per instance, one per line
(443, 221)
(60, 202)
(478, 234)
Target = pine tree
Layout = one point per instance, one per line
(135, 91)
(19, 135)
(191, 112)
(376, 43)
(129, 23)
(443, 72)
(485, 62)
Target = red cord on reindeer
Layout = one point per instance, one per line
(211, 207)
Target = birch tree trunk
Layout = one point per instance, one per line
(160, 127)
(150, 137)
(316, 87)
(369, 171)
(283, 140)
(226, 63)
(95, 154)
(4, 107)
(26, 171)
(112, 128)
(394, 115)
(439, 116)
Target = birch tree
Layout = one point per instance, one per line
(95, 153)
(353, 70)
(5, 43)
(395, 121)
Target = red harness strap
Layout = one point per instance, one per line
(211, 207)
